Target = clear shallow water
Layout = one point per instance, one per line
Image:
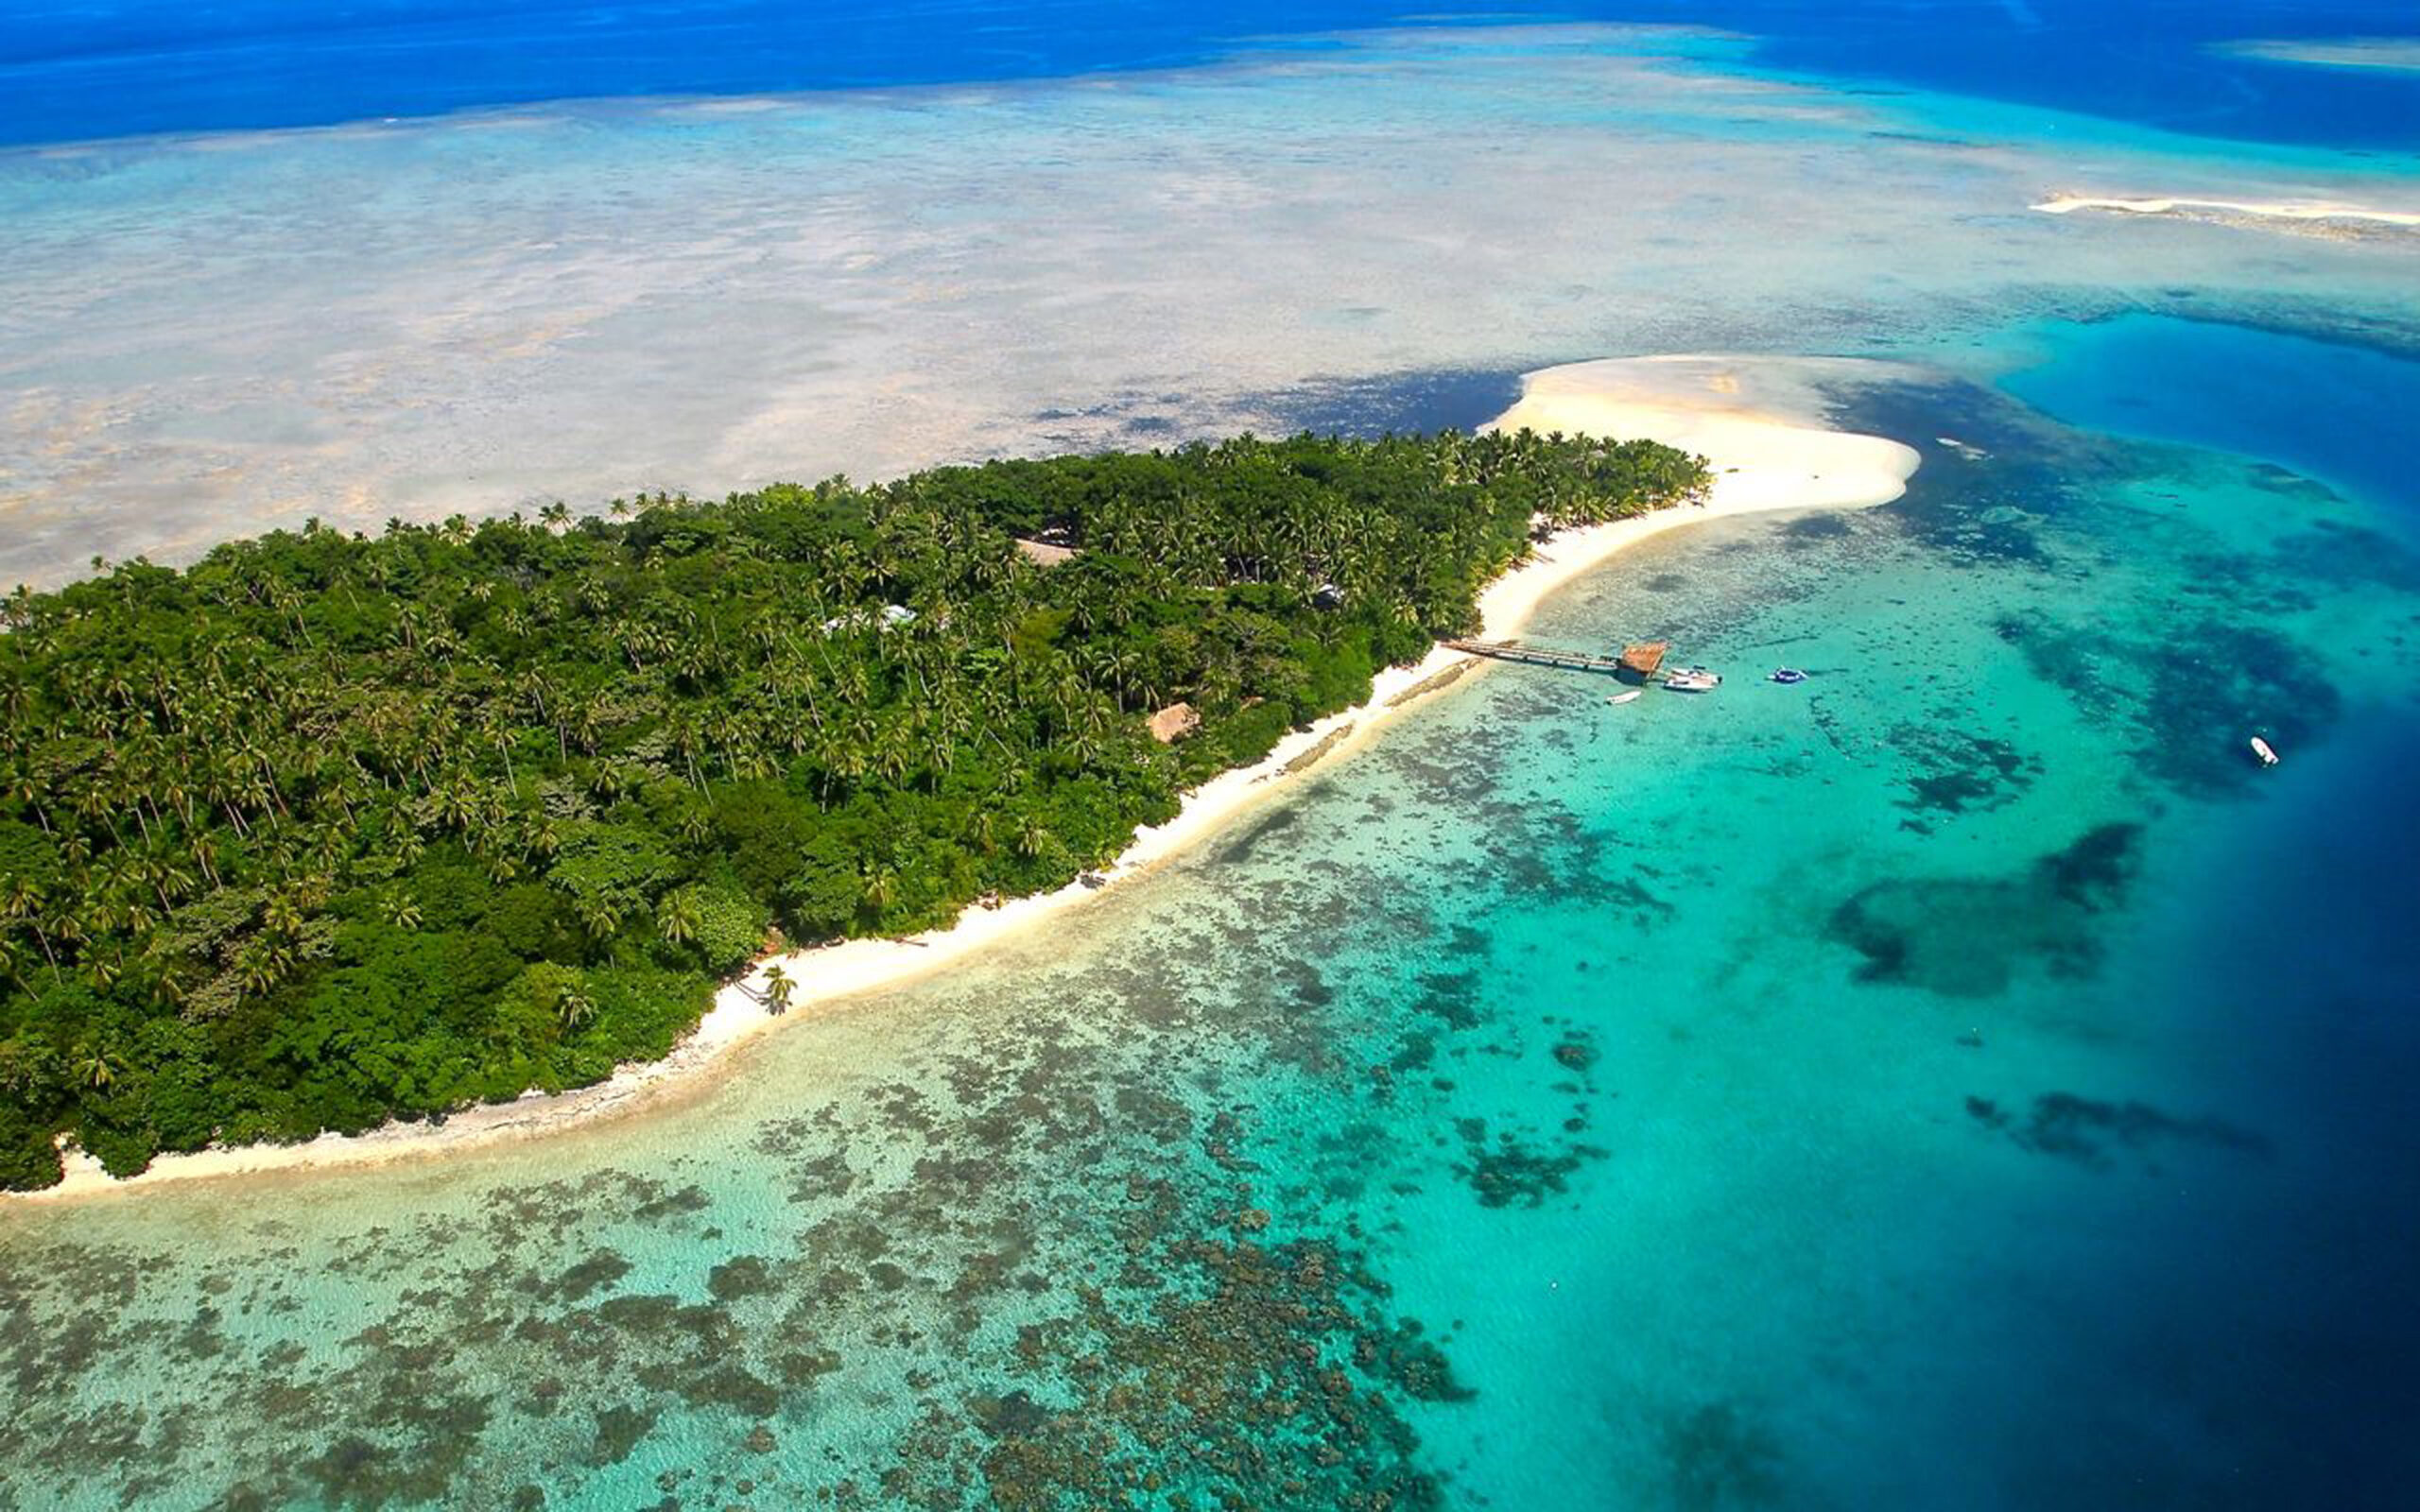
(1883, 1092)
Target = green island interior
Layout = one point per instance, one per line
(326, 829)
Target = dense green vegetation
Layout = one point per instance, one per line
(327, 829)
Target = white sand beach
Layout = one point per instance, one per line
(1760, 423)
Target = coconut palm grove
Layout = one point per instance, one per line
(328, 828)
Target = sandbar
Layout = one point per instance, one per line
(2394, 54)
(2302, 212)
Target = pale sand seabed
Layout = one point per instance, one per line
(1758, 421)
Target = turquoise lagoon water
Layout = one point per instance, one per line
(1959, 1081)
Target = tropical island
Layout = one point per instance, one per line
(328, 830)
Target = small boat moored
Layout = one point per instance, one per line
(1692, 680)
(1789, 675)
(1624, 697)
(2266, 753)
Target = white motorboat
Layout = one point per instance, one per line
(1692, 680)
(1623, 697)
(2266, 753)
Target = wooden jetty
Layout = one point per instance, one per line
(1537, 656)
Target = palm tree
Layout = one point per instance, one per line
(282, 915)
(96, 1065)
(599, 918)
(573, 1008)
(880, 886)
(1032, 837)
(261, 966)
(205, 855)
(778, 986)
(678, 917)
(24, 900)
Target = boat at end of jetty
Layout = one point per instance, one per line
(1692, 680)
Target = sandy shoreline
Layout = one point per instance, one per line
(1758, 421)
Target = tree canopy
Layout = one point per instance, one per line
(327, 829)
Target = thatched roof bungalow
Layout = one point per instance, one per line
(1043, 553)
(1644, 657)
(1174, 723)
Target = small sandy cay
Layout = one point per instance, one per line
(2309, 217)
(1760, 422)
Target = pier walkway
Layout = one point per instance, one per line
(1537, 655)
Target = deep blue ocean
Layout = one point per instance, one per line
(70, 71)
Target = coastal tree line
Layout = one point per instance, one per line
(328, 828)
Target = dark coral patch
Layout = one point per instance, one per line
(600, 1269)
(1240, 848)
(2085, 1130)
(1967, 936)
(1451, 997)
(1959, 773)
(744, 1276)
(618, 1431)
(1223, 1388)
(1508, 1171)
(1718, 1458)
(2192, 690)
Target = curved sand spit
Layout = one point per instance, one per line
(1759, 422)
